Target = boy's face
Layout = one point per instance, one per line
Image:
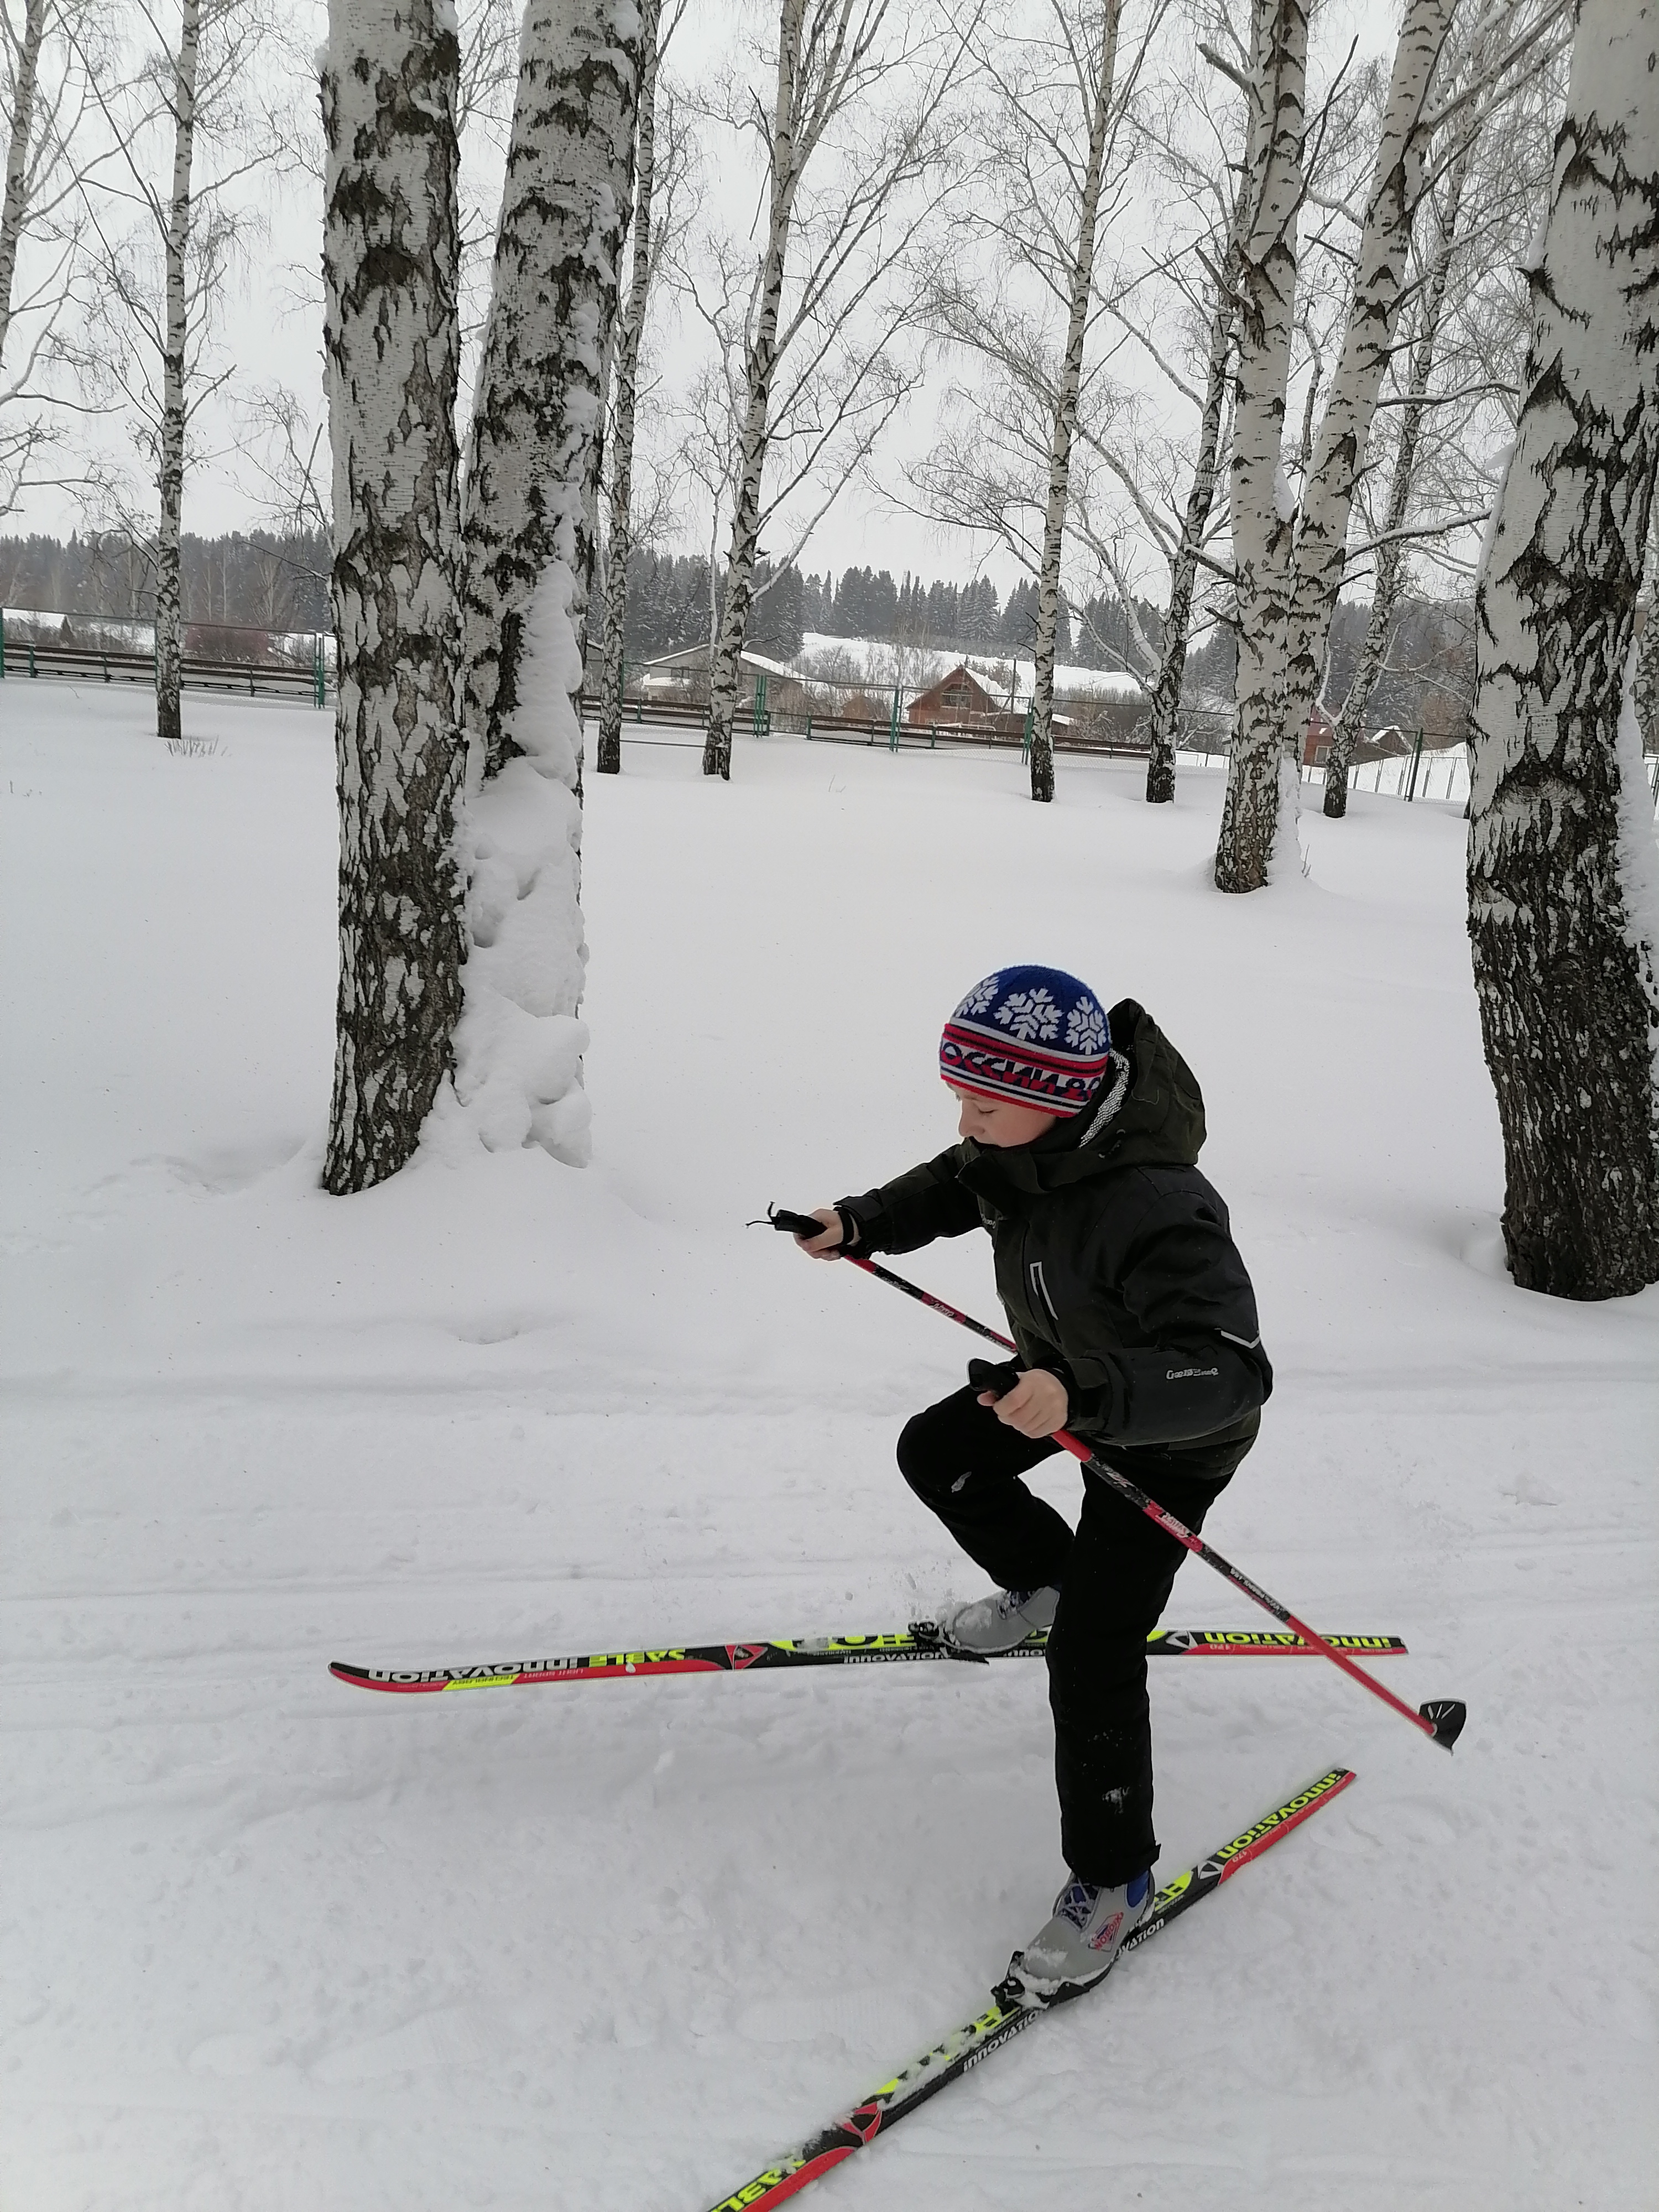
(999, 1122)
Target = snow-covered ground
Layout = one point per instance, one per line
(269, 1943)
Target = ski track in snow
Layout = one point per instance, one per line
(268, 1942)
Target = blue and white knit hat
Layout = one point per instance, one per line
(1036, 1035)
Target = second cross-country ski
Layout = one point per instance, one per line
(921, 1640)
(1010, 2011)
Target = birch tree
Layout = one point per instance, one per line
(1563, 880)
(391, 348)
(857, 102)
(1389, 572)
(163, 238)
(1261, 505)
(54, 152)
(174, 225)
(1164, 719)
(654, 36)
(1200, 266)
(1096, 70)
(528, 530)
(1409, 124)
(1334, 454)
(1028, 435)
(534, 448)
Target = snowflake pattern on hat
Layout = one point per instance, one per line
(1028, 1014)
(981, 998)
(1086, 1027)
(1036, 1035)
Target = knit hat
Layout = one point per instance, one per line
(1036, 1035)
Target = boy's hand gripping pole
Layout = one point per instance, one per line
(1441, 1719)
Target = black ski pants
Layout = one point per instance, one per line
(1114, 1574)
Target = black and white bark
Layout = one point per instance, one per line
(391, 351)
(176, 337)
(1262, 508)
(858, 100)
(1389, 571)
(788, 157)
(166, 219)
(1164, 721)
(529, 512)
(630, 330)
(1339, 449)
(536, 442)
(1101, 68)
(1564, 882)
(48, 160)
(24, 71)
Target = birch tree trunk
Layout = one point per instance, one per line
(619, 542)
(760, 365)
(529, 509)
(1391, 567)
(1261, 507)
(537, 426)
(1183, 569)
(390, 263)
(1065, 424)
(15, 204)
(170, 474)
(1339, 453)
(1564, 882)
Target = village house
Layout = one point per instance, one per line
(960, 701)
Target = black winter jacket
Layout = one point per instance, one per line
(1115, 1259)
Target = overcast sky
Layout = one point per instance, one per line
(273, 336)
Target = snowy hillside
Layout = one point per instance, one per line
(877, 661)
(270, 1944)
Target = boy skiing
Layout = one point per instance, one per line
(1136, 1326)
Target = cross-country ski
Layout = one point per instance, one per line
(789, 1655)
(1010, 2011)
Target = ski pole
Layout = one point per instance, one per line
(1441, 1719)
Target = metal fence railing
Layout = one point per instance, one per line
(217, 656)
(775, 701)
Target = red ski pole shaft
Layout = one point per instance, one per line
(927, 1298)
(1441, 1720)
(1436, 1728)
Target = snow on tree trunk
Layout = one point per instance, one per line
(170, 475)
(759, 367)
(527, 531)
(1391, 569)
(391, 349)
(14, 205)
(1064, 422)
(1339, 453)
(1263, 509)
(1183, 569)
(619, 544)
(1563, 877)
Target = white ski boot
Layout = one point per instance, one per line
(987, 1625)
(1080, 1946)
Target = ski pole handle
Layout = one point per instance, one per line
(998, 1377)
(798, 1224)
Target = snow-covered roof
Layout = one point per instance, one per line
(696, 656)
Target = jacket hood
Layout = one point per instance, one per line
(1160, 1122)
